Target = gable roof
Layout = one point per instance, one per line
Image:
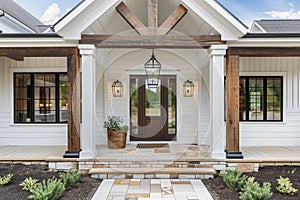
(276, 26)
(88, 11)
(21, 15)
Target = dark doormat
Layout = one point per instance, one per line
(153, 145)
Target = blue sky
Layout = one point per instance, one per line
(246, 10)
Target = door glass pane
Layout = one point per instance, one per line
(134, 105)
(152, 100)
(171, 106)
(256, 100)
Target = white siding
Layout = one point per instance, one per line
(31, 134)
(284, 133)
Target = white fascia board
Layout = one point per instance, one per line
(223, 22)
(72, 28)
(61, 24)
(266, 42)
(36, 42)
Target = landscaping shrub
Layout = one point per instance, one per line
(253, 191)
(285, 186)
(51, 189)
(234, 179)
(70, 178)
(28, 183)
(4, 180)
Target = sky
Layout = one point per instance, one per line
(49, 11)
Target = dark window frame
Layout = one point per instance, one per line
(264, 97)
(31, 98)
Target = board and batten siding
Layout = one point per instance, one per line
(27, 134)
(284, 133)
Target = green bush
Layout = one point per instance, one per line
(234, 179)
(4, 180)
(285, 186)
(253, 191)
(28, 183)
(51, 189)
(70, 178)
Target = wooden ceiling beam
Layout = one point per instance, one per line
(172, 20)
(264, 51)
(152, 41)
(152, 14)
(131, 19)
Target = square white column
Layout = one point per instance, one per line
(217, 112)
(87, 137)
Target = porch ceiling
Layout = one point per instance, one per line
(111, 21)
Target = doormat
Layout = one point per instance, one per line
(153, 145)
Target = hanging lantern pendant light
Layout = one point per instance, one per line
(152, 68)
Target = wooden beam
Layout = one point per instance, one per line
(21, 52)
(152, 41)
(264, 51)
(152, 14)
(15, 57)
(172, 20)
(232, 104)
(74, 102)
(131, 19)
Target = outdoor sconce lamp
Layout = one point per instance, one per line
(117, 89)
(152, 68)
(188, 87)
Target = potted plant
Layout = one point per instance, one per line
(116, 132)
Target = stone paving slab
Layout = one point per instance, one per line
(152, 189)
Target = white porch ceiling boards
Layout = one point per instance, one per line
(112, 23)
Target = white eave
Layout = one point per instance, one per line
(266, 42)
(219, 18)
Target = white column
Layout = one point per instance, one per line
(217, 123)
(88, 65)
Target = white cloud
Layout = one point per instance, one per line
(290, 14)
(50, 15)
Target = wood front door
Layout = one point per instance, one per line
(153, 110)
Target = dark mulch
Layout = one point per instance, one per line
(84, 190)
(219, 190)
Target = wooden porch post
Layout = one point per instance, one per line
(73, 106)
(232, 107)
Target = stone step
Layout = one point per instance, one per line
(169, 172)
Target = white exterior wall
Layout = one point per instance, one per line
(27, 134)
(124, 63)
(284, 133)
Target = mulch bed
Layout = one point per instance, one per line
(87, 186)
(84, 190)
(219, 190)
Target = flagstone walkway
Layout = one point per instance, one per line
(152, 189)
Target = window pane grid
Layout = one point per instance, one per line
(261, 99)
(36, 93)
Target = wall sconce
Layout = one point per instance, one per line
(188, 87)
(152, 68)
(117, 89)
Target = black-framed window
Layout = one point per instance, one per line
(261, 98)
(40, 98)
